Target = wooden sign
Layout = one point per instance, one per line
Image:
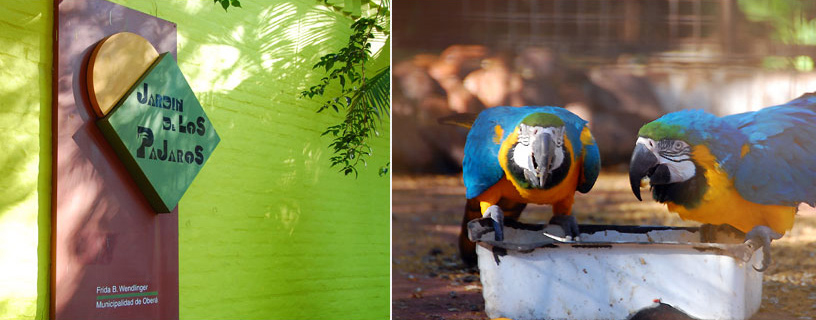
(161, 133)
(113, 257)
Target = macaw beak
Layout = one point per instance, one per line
(542, 157)
(643, 163)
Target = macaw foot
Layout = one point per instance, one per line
(569, 224)
(761, 237)
(497, 215)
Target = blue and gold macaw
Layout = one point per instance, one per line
(748, 170)
(520, 155)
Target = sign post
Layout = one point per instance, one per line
(129, 137)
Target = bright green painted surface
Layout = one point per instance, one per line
(267, 229)
(161, 133)
(25, 167)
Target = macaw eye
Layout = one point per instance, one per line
(678, 146)
(673, 148)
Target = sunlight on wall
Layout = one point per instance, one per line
(194, 7)
(25, 65)
(218, 70)
(268, 230)
(313, 29)
(18, 260)
(275, 48)
(378, 44)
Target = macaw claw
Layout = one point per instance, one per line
(569, 224)
(497, 215)
(761, 237)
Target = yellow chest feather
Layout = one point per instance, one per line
(722, 203)
(512, 190)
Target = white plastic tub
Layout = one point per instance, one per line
(614, 272)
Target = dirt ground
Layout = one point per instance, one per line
(430, 282)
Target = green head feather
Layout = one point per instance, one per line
(697, 127)
(657, 130)
(543, 120)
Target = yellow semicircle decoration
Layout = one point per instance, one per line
(116, 63)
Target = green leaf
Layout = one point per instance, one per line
(236, 3)
(225, 4)
(364, 99)
(384, 169)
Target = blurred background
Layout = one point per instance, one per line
(618, 64)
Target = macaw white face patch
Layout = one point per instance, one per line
(675, 154)
(527, 136)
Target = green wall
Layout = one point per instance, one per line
(25, 167)
(267, 230)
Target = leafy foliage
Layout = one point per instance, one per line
(365, 100)
(792, 23)
(227, 3)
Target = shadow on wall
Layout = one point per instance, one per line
(276, 195)
(23, 102)
(17, 159)
(247, 68)
(255, 49)
(469, 78)
(25, 68)
(272, 50)
(88, 178)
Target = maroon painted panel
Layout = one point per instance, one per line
(109, 245)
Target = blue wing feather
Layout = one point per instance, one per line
(481, 168)
(780, 167)
(592, 167)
